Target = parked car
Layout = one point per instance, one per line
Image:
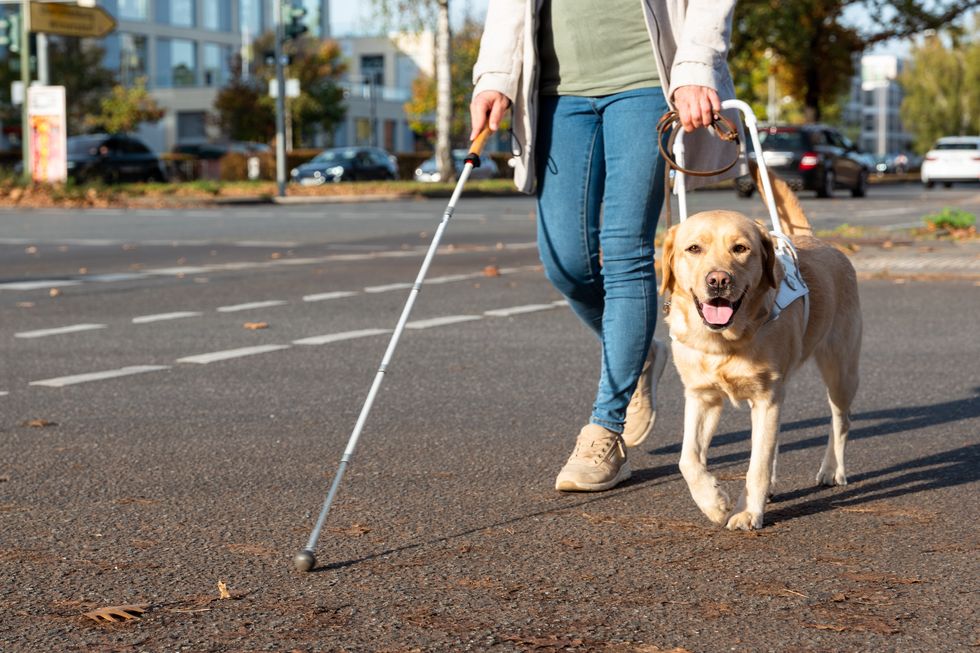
(346, 164)
(897, 163)
(952, 158)
(428, 172)
(111, 158)
(209, 151)
(811, 157)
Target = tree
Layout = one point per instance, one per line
(125, 108)
(246, 112)
(941, 89)
(816, 42)
(76, 64)
(422, 106)
(418, 15)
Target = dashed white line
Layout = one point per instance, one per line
(387, 288)
(41, 333)
(62, 381)
(35, 285)
(3, 393)
(337, 337)
(250, 306)
(518, 310)
(337, 294)
(204, 359)
(441, 321)
(159, 317)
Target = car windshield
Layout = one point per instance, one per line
(84, 145)
(957, 146)
(332, 156)
(783, 140)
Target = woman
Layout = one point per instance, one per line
(588, 81)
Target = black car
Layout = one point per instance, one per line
(111, 158)
(213, 151)
(346, 164)
(811, 157)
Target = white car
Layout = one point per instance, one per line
(952, 158)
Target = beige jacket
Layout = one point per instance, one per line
(690, 39)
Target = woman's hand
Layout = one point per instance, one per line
(696, 106)
(490, 104)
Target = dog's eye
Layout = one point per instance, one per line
(740, 249)
(694, 249)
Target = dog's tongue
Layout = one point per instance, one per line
(717, 313)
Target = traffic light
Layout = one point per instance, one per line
(295, 27)
(10, 32)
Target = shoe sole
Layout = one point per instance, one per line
(659, 365)
(574, 486)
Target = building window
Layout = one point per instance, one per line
(216, 64)
(373, 69)
(133, 9)
(191, 125)
(180, 13)
(362, 131)
(176, 63)
(216, 15)
(390, 126)
(132, 58)
(250, 17)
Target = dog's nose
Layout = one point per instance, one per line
(719, 280)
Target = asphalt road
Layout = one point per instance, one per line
(183, 449)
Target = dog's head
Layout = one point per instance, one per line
(719, 268)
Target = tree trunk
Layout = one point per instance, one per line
(811, 100)
(444, 105)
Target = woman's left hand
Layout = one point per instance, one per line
(696, 106)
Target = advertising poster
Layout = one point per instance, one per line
(48, 133)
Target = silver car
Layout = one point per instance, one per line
(428, 172)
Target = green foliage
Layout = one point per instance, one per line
(942, 89)
(125, 108)
(950, 218)
(815, 43)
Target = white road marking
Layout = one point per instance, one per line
(181, 270)
(115, 276)
(251, 305)
(266, 243)
(328, 295)
(204, 359)
(41, 333)
(441, 321)
(387, 288)
(337, 337)
(159, 317)
(35, 285)
(62, 381)
(3, 393)
(518, 310)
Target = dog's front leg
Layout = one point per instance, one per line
(701, 414)
(765, 432)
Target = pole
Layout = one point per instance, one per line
(42, 58)
(25, 78)
(280, 104)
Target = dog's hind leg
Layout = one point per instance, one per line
(701, 414)
(840, 373)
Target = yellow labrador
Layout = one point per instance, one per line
(722, 275)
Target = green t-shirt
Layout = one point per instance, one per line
(593, 48)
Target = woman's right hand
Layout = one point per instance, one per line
(488, 104)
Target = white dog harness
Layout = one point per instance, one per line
(793, 286)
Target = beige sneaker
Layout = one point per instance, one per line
(642, 411)
(598, 462)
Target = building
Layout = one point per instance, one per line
(873, 109)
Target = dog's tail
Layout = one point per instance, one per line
(791, 217)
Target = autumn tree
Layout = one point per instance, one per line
(942, 88)
(816, 42)
(243, 109)
(124, 108)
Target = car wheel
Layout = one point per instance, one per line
(826, 188)
(930, 184)
(947, 184)
(861, 189)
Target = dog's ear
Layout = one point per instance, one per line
(667, 263)
(768, 257)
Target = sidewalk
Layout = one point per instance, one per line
(939, 258)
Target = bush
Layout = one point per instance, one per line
(950, 219)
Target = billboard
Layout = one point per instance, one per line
(47, 133)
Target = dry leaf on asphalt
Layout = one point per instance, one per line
(354, 530)
(38, 423)
(491, 271)
(223, 590)
(54, 292)
(117, 613)
(256, 325)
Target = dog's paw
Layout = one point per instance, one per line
(744, 521)
(831, 478)
(719, 508)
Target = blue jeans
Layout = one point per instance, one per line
(602, 153)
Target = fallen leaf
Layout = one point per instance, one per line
(117, 613)
(838, 597)
(275, 255)
(83, 270)
(54, 292)
(836, 629)
(256, 325)
(30, 250)
(223, 590)
(491, 271)
(354, 530)
(25, 304)
(38, 423)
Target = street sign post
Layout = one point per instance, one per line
(71, 20)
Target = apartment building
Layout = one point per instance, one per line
(873, 108)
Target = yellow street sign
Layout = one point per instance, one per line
(69, 20)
